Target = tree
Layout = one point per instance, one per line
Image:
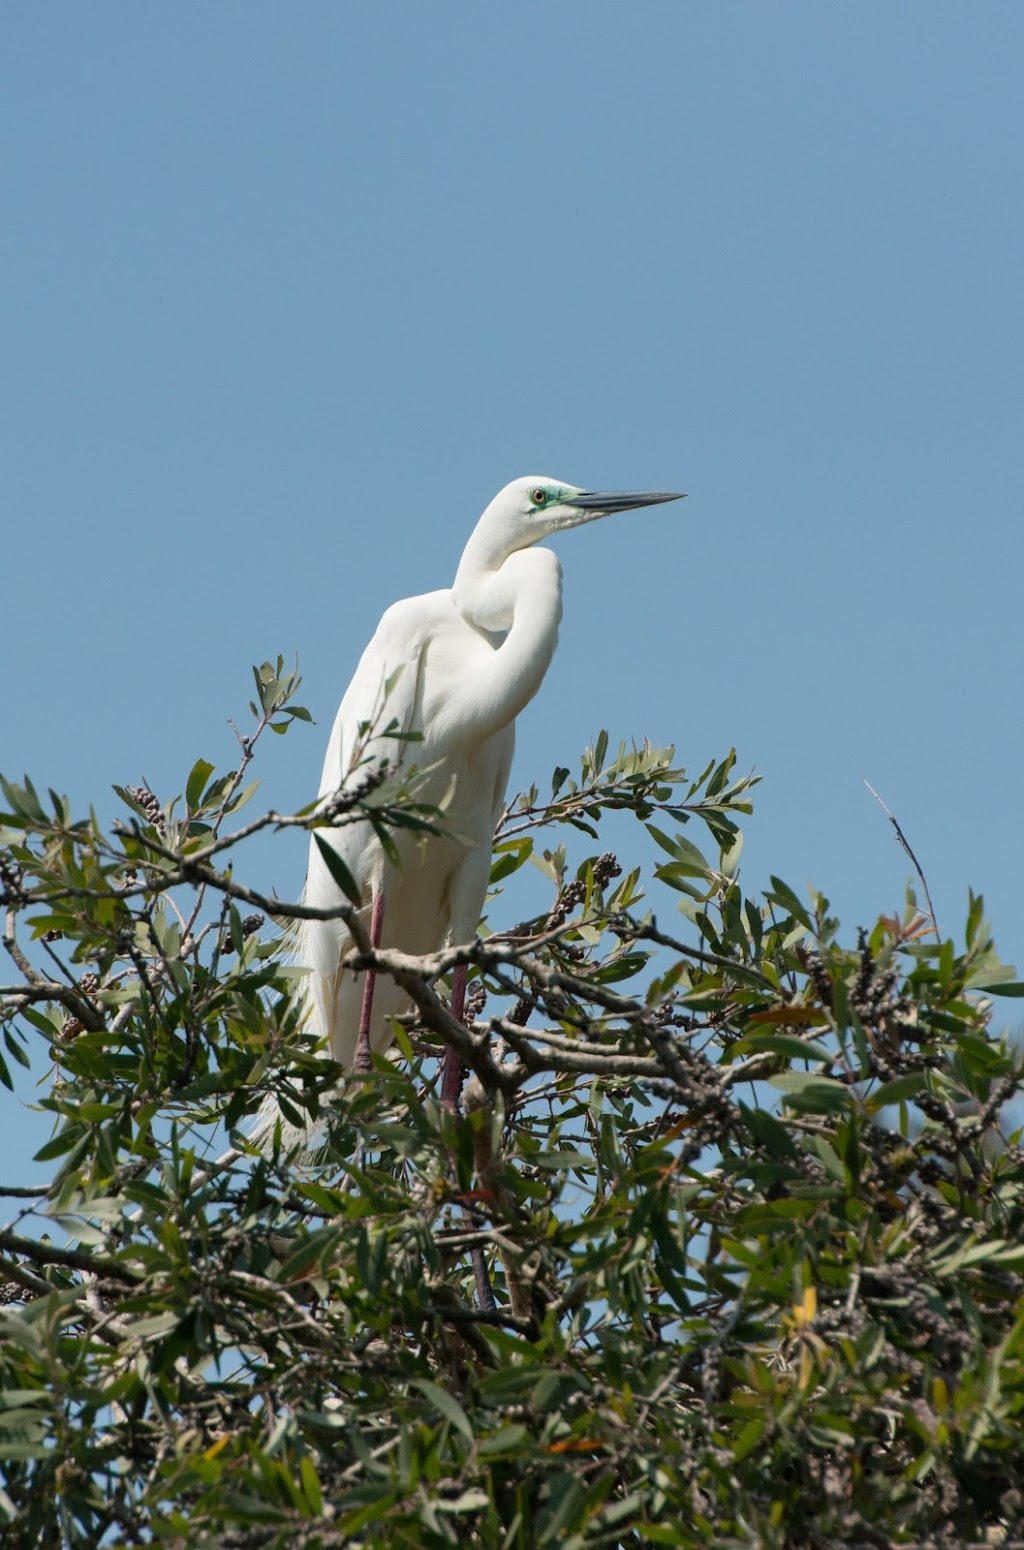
(752, 1222)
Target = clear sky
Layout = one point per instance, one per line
(290, 291)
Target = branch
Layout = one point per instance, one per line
(650, 933)
(71, 1259)
(914, 861)
(40, 989)
(411, 974)
(12, 1271)
(10, 942)
(566, 1055)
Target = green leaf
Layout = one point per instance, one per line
(41, 1023)
(771, 1043)
(828, 1156)
(748, 1439)
(768, 1131)
(683, 851)
(24, 800)
(898, 1091)
(470, 1501)
(665, 1534)
(62, 1143)
(311, 1484)
(564, 1501)
(449, 1407)
(235, 930)
(11, 1399)
(151, 1327)
(242, 797)
(556, 1161)
(511, 1438)
(781, 893)
(311, 1251)
(972, 1253)
(810, 1093)
(509, 857)
(338, 870)
(196, 784)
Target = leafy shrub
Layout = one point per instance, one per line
(743, 1193)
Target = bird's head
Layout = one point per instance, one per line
(519, 516)
(528, 509)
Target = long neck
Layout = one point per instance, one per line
(519, 597)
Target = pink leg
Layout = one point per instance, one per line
(362, 1061)
(451, 1068)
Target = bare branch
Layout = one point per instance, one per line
(71, 1259)
(906, 846)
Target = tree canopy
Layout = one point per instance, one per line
(745, 1188)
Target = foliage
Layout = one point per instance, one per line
(753, 1228)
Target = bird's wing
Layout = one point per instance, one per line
(383, 703)
(381, 706)
(501, 778)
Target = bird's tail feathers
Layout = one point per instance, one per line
(263, 1127)
(263, 1130)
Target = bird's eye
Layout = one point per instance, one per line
(539, 497)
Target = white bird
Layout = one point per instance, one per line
(454, 668)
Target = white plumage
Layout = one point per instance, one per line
(455, 667)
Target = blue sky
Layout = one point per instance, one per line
(289, 293)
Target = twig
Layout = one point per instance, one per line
(906, 846)
(71, 1259)
(11, 1270)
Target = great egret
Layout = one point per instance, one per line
(454, 667)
